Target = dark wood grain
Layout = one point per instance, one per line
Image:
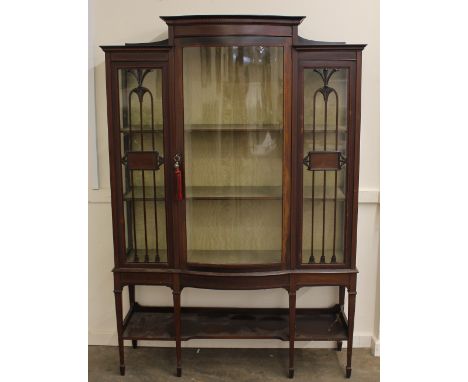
(293, 323)
(143, 160)
(178, 323)
(323, 160)
(287, 110)
(235, 19)
(119, 313)
(351, 312)
(156, 323)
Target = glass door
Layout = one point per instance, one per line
(142, 152)
(325, 137)
(233, 154)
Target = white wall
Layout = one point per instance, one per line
(119, 21)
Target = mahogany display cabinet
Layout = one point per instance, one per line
(234, 158)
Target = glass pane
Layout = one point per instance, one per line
(141, 121)
(324, 189)
(233, 120)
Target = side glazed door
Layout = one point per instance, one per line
(139, 146)
(324, 159)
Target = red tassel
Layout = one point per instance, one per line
(178, 175)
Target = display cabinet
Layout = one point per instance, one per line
(234, 158)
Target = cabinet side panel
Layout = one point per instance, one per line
(357, 135)
(114, 190)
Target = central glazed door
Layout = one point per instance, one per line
(235, 137)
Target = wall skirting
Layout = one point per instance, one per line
(103, 195)
(375, 346)
(369, 195)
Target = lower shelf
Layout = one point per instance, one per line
(141, 256)
(150, 323)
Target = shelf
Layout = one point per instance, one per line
(233, 127)
(233, 257)
(308, 128)
(149, 323)
(146, 130)
(151, 256)
(328, 253)
(241, 257)
(214, 128)
(233, 193)
(318, 193)
(149, 193)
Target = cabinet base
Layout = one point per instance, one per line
(151, 323)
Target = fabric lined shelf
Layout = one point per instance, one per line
(242, 257)
(222, 127)
(137, 193)
(308, 128)
(233, 193)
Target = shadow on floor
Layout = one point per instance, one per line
(216, 365)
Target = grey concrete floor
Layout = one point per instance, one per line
(216, 365)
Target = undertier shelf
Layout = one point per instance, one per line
(151, 323)
(234, 193)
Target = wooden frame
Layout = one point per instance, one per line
(290, 274)
(307, 60)
(285, 43)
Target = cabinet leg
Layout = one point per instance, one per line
(118, 312)
(351, 310)
(292, 331)
(131, 297)
(131, 294)
(176, 297)
(341, 298)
